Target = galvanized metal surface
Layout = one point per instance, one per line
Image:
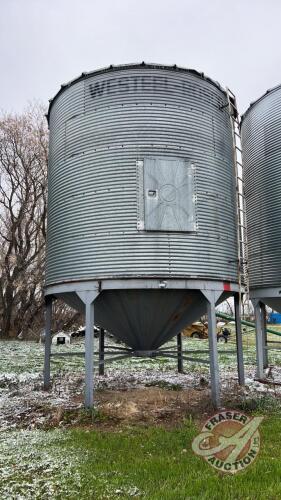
(146, 319)
(101, 126)
(239, 340)
(177, 300)
(48, 342)
(213, 348)
(261, 336)
(167, 196)
(261, 139)
(144, 284)
(271, 297)
(143, 313)
(143, 318)
(112, 68)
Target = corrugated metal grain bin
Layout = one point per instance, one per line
(141, 197)
(261, 139)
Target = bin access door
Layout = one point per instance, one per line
(169, 198)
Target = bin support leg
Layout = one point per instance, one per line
(101, 352)
(48, 342)
(259, 340)
(214, 365)
(264, 335)
(212, 297)
(239, 344)
(89, 355)
(88, 297)
(179, 352)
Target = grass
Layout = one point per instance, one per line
(150, 463)
(139, 461)
(159, 464)
(163, 384)
(27, 357)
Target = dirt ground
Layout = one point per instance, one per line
(133, 392)
(153, 404)
(141, 406)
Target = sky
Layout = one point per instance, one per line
(44, 43)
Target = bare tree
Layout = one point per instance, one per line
(230, 307)
(66, 318)
(23, 192)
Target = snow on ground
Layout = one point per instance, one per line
(24, 403)
(31, 466)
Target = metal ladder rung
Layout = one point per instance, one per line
(235, 119)
(243, 275)
(230, 92)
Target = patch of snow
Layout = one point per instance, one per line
(24, 403)
(33, 467)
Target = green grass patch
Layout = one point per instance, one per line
(142, 462)
(164, 384)
(84, 417)
(159, 464)
(263, 405)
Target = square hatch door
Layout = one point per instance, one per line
(169, 198)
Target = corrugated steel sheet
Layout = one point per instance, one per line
(261, 139)
(101, 126)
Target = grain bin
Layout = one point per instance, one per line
(142, 231)
(261, 138)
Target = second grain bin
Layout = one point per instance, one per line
(142, 231)
(261, 138)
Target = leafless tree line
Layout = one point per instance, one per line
(23, 201)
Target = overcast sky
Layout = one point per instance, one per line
(44, 43)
